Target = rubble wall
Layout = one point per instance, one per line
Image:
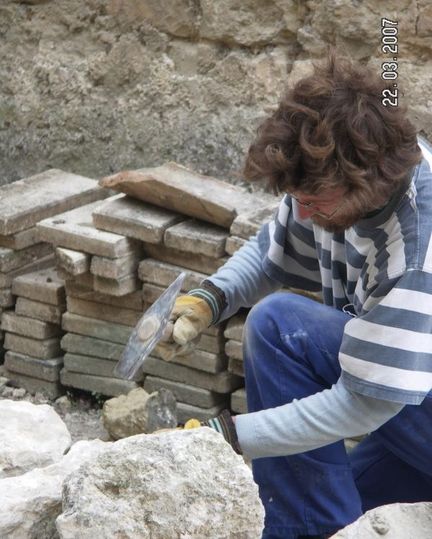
(95, 86)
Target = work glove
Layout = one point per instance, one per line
(223, 424)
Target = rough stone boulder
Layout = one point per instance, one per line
(139, 412)
(395, 521)
(31, 436)
(181, 483)
(30, 503)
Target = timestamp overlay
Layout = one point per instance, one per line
(389, 45)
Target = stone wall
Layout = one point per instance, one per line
(94, 86)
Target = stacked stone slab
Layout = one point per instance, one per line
(22, 204)
(33, 332)
(234, 350)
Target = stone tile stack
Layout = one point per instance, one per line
(234, 350)
(22, 204)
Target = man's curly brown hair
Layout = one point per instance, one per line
(330, 130)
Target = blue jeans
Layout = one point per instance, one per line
(291, 349)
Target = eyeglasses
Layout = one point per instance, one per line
(311, 205)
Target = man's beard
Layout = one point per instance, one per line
(339, 223)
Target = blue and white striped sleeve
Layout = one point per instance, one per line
(386, 352)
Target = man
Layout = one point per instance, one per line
(355, 223)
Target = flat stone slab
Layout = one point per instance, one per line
(109, 313)
(223, 382)
(42, 285)
(249, 223)
(234, 327)
(84, 279)
(11, 260)
(197, 237)
(75, 230)
(116, 268)
(236, 366)
(233, 244)
(7, 299)
(130, 301)
(134, 219)
(201, 263)
(90, 365)
(163, 274)
(20, 240)
(40, 349)
(74, 262)
(6, 279)
(99, 384)
(44, 369)
(40, 311)
(196, 396)
(91, 327)
(187, 411)
(29, 327)
(234, 349)
(238, 401)
(176, 188)
(197, 359)
(89, 346)
(35, 385)
(117, 287)
(25, 202)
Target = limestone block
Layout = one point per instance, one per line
(44, 369)
(134, 219)
(30, 503)
(90, 365)
(233, 244)
(234, 327)
(196, 396)
(163, 274)
(99, 384)
(117, 287)
(223, 382)
(201, 263)
(139, 412)
(25, 202)
(396, 520)
(42, 349)
(234, 349)
(20, 240)
(79, 344)
(109, 313)
(74, 230)
(197, 359)
(84, 279)
(130, 301)
(7, 299)
(198, 238)
(187, 411)
(176, 188)
(218, 490)
(11, 260)
(32, 436)
(6, 279)
(238, 401)
(74, 262)
(115, 268)
(29, 327)
(42, 285)
(248, 224)
(99, 329)
(236, 366)
(51, 390)
(40, 311)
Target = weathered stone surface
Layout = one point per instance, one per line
(187, 411)
(135, 219)
(11, 260)
(7, 299)
(197, 396)
(40, 311)
(130, 301)
(163, 274)
(25, 202)
(84, 279)
(223, 382)
(397, 520)
(99, 329)
(197, 237)
(100, 384)
(74, 262)
(42, 285)
(109, 313)
(51, 390)
(203, 264)
(139, 412)
(233, 244)
(20, 240)
(74, 230)
(115, 268)
(176, 188)
(238, 401)
(6, 279)
(29, 327)
(30, 503)
(236, 366)
(234, 327)
(42, 349)
(117, 287)
(32, 436)
(88, 346)
(44, 369)
(160, 480)
(248, 224)
(234, 349)
(91, 365)
(197, 359)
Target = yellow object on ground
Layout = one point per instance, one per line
(192, 424)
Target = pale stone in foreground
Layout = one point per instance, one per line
(30, 436)
(163, 486)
